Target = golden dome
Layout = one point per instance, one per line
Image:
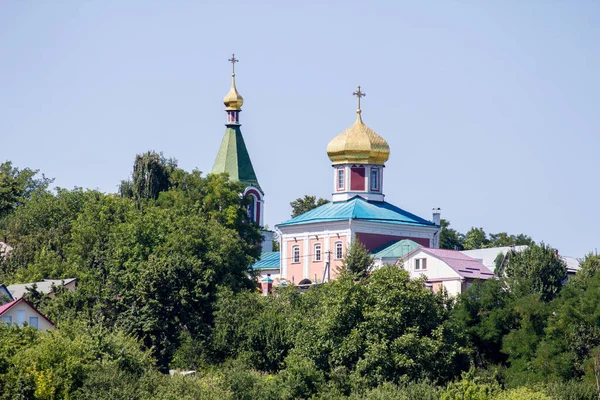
(358, 144)
(233, 100)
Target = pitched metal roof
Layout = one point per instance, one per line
(463, 265)
(234, 159)
(359, 209)
(268, 260)
(395, 249)
(45, 286)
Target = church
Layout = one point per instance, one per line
(313, 245)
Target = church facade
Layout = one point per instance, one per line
(314, 244)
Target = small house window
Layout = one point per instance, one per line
(33, 322)
(340, 179)
(20, 317)
(420, 264)
(317, 252)
(339, 250)
(296, 254)
(375, 179)
(7, 319)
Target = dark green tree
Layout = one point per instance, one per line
(305, 204)
(358, 261)
(449, 238)
(535, 270)
(18, 185)
(151, 175)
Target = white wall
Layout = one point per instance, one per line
(43, 324)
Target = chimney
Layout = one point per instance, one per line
(437, 216)
(267, 285)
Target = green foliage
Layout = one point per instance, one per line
(358, 261)
(537, 270)
(17, 186)
(151, 176)
(449, 238)
(305, 204)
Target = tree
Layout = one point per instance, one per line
(17, 186)
(151, 175)
(503, 239)
(537, 270)
(358, 261)
(305, 204)
(449, 238)
(476, 238)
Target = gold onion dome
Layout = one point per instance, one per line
(358, 144)
(233, 100)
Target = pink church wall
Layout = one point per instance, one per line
(295, 270)
(336, 263)
(316, 267)
(373, 240)
(257, 205)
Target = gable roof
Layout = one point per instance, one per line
(395, 249)
(358, 208)
(5, 307)
(45, 286)
(268, 260)
(463, 265)
(234, 159)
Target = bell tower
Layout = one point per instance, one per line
(358, 156)
(233, 156)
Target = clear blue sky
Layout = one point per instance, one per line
(491, 108)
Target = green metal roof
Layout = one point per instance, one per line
(395, 249)
(268, 260)
(234, 159)
(359, 209)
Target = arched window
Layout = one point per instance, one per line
(252, 208)
(317, 252)
(295, 254)
(375, 179)
(339, 250)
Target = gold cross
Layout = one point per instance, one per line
(233, 60)
(359, 94)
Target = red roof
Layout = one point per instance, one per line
(5, 307)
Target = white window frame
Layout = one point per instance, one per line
(36, 324)
(317, 253)
(375, 182)
(339, 250)
(296, 254)
(420, 264)
(341, 179)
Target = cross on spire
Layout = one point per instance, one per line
(233, 60)
(359, 94)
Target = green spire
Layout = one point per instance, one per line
(234, 159)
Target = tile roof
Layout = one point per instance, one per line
(268, 260)
(359, 209)
(463, 265)
(395, 249)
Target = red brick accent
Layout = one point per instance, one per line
(357, 178)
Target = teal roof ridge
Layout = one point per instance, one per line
(360, 209)
(233, 158)
(268, 260)
(395, 249)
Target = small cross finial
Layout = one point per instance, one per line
(359, 94)
(233, 60)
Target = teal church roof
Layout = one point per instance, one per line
(395, 249)
(268, 260)
(234, 159)
(359, 209)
